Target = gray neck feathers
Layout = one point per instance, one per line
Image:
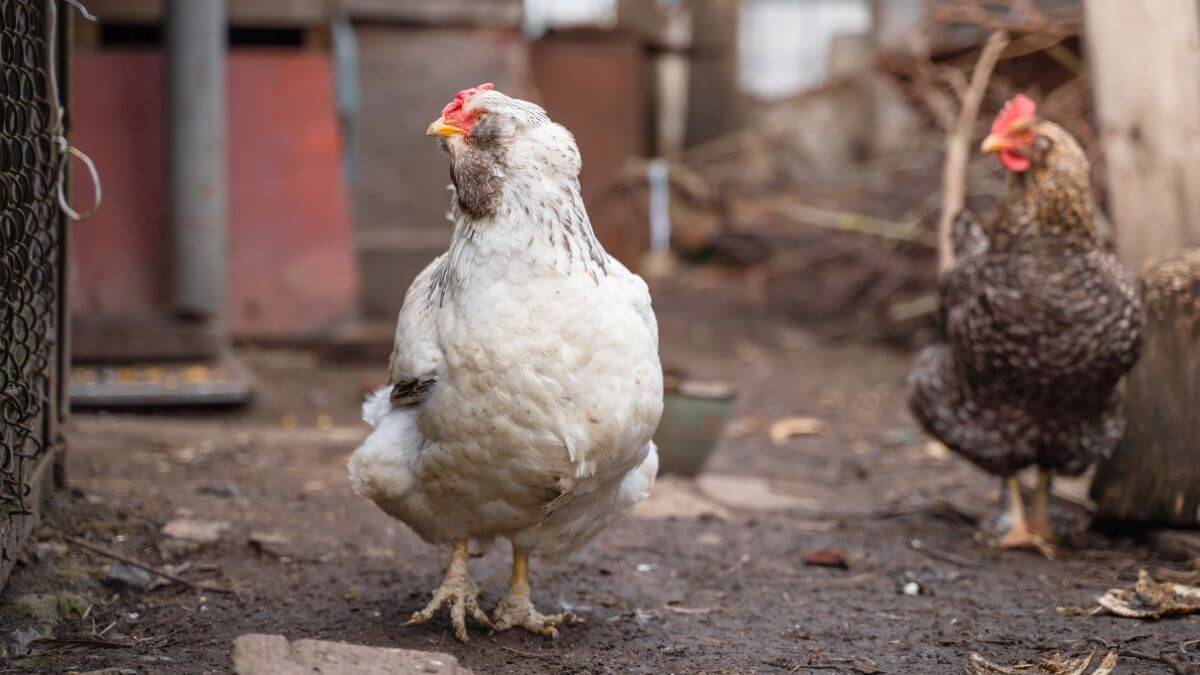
(510, 224)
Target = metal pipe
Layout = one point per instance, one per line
(196, 45)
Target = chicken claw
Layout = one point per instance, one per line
(516, 608)
(1023, 534)
(458, 591)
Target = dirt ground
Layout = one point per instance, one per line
(711, 590)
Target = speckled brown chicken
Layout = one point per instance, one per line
(1041, 323)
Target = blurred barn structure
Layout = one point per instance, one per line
(805, 141)
(328, 167)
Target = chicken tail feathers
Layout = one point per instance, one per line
(411, 392)
(376, 406)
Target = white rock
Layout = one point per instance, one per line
(199, 531)
(273, 655)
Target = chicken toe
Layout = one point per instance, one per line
(516, 608)
(458, 591)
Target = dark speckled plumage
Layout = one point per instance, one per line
(1041, 323)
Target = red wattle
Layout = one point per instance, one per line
(1014, 162)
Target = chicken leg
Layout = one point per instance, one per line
(1021, 535)
(1039, 512)
(457, 590)
(516, 608)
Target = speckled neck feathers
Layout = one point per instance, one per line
(518, 213)
(1052, 201)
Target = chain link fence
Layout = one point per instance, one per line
(31, 264)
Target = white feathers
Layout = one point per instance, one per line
(548, 383)
(376, 406)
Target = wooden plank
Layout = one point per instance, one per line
(1154, 475)
(436, 12)
(1145, 61)
(245, 12)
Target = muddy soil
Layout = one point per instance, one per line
(712, 590)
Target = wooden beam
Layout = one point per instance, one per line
(1145, 61)
(506, 13)
(284, 13)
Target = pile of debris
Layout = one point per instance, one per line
(830, 200)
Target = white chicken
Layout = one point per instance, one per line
(525, 377)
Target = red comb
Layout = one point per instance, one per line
(465, 95)
(1019, 108)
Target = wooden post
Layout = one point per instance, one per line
(1145, 62)
(1154, 475)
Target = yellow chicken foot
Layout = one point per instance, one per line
(1021, 535)
(1039, 512)
(457, 590)
(516, 609)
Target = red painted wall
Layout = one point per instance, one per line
(291, 263)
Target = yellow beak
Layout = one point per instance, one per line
(441, 127)
(993, 144)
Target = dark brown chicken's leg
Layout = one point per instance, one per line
(1022, 534)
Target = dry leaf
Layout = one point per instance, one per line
(1151, 599)
(825, 557)
(1063, 665)
(977, 665)
(1108, 664)
(1058, 664)
(790, 427)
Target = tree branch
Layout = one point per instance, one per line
(958, 146)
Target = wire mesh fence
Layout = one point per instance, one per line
(31, 259)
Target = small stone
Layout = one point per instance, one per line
(122, 575)
(21, 637)
(271, 543)
(221, 490)
(48, 550)
(912, 588)
(900, 437)
(935, 450)
(199, 531)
